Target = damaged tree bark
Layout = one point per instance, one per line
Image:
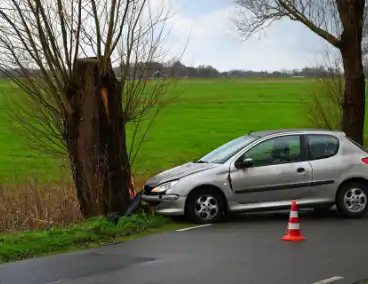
(95, 139)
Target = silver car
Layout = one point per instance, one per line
(266, 170)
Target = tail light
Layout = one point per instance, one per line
(365, 160)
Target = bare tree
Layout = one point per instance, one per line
(64, 52)
(326, 18)
(327, 98)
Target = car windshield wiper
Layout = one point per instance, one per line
(199, 162)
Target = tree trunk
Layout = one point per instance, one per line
(351, 14)
(95, 138)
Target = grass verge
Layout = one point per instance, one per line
(31, 206)
(91, 233)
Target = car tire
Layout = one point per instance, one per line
(351, 199)
(210, 202)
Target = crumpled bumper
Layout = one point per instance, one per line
(166, 204)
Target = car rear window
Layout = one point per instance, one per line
(321, 146)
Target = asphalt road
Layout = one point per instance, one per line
(246, 249)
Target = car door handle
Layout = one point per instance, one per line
(300, 170)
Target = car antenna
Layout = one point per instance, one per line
(252, 130)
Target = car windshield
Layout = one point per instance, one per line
(226, 151)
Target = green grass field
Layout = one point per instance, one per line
(207, 114)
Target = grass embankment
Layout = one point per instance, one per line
(91, 233)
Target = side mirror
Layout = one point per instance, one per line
(244, 162)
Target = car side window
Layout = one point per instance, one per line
(278, 150)
(321, 146)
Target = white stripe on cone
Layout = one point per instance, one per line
(293, 226)
(293, 214)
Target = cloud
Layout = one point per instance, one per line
(214, 41)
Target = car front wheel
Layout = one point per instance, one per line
(205, 206)
(351, 200)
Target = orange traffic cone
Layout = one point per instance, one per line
(293, 231)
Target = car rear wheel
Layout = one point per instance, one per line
(351, 200)
(205, 206)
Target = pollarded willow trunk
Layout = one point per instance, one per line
(95, 138)
(351, 14)
(354, 97)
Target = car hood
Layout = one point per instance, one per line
(179, 172)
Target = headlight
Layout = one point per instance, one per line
(165, 186)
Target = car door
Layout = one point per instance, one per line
(280, 172)
(327, 165)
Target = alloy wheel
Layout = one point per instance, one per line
(355, 200)
(206, 207)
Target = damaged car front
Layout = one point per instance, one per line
(168, 191)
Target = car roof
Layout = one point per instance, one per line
(264, 133)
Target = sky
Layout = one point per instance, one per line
(205, 30)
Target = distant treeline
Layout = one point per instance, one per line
(179, 70)
(206, 71)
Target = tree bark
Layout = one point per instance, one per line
(95, 139)
(351, 14)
